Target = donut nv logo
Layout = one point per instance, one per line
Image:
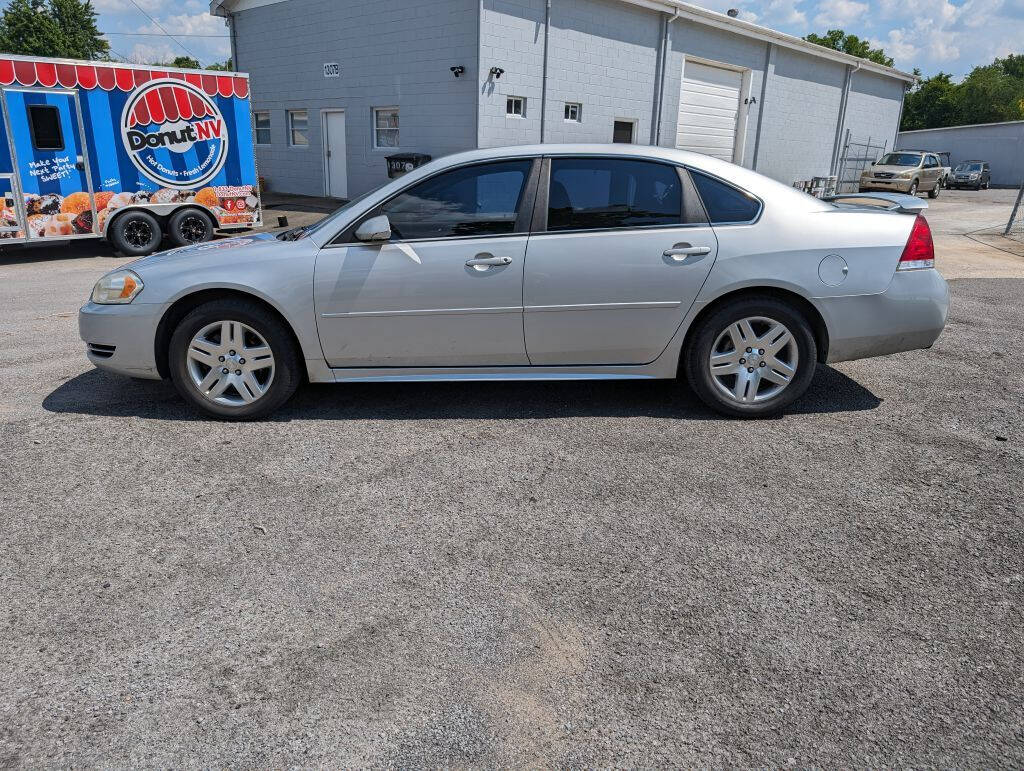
(174, 133)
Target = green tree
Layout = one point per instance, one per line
(184, 63)
(931, 103)
(65, 28)
(838, 40)
(989, 95)
(225, 66)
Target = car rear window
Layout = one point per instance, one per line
(724, 203)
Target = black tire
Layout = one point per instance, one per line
(135, 233)
(286, 372)
(699, 349)
(189, 226)
(913, 188)
(934, 192)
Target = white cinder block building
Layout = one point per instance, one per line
(337, 85)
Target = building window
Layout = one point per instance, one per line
(298, 128)
(44, 125)
(385, 127)
(515, 107)
(622, 132)
(573, 112)
(261, 121)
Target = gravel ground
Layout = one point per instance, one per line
(512, 574)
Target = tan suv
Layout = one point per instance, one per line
(905, 171)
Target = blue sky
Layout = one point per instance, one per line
(931, 34)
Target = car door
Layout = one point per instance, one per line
(932, 170)
(446, 290)
(620, 250)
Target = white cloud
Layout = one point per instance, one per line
(834, 14)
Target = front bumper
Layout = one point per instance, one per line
(910, 314)
(883, 185)
(121, 338)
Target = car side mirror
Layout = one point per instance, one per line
(375, 229)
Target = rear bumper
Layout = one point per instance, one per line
(120, 338)
(910, 314)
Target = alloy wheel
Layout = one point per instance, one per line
(230, 363)
(138, 233)
(193, 228)
(753, 360)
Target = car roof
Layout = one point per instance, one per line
(783, 197)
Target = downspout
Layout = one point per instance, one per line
(760, 109)
(899, 120)
(234, 44)
(662, 64)
(842, 117)
(544, 71)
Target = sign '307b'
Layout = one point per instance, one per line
(332, 70)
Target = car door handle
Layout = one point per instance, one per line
(488, 261)
(677, 252)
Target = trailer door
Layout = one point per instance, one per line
(50, 160)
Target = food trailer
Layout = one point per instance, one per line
(133, 154)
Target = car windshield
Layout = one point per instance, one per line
(969, 167)
(900, 159)
(305, 230)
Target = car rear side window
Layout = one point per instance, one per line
(609, 193)
(470, 201)
(724, 203)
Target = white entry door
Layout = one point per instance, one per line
(709, 110)
(334, 150)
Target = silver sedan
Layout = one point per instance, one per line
(546, 262)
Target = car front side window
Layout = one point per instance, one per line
(481, 200)
(612, 193)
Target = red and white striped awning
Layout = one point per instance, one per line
(49, 74)
(168, 103)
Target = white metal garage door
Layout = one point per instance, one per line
(709, 106)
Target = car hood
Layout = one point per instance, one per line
(890, 169)
(221, 250)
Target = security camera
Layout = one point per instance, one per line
(733, 12)
(497, 72)
(457, 70)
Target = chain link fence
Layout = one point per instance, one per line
(857, 155)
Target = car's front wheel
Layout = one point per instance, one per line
(751, 357)
(234, 359)
(913, 188)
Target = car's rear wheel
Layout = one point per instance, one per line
(934, 192)
(135, 233)
(751, 358)
(234, 360)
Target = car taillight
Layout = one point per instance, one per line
(919, 251)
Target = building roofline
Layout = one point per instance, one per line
(965, 125)
(748, 29)
(695, 13)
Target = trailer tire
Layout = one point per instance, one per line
(189, 226)
(135, 233)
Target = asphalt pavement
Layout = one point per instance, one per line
(509, 574)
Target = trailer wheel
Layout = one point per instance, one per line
(189, 226)
(135, 233)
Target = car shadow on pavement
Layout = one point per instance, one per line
(101, 393)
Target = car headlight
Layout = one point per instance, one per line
(117, 288)
(906, 174)
(975, 176)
